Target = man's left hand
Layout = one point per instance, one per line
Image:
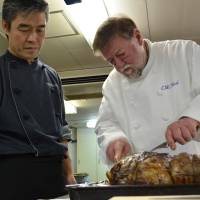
(181, 131)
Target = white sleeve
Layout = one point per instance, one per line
(107, 128)
(193, 110)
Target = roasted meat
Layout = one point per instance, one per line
(181, 169)
(156, 169)
(196, 168)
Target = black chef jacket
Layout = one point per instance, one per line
(32, 113)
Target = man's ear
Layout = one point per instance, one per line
(5, 27)
(138, 36)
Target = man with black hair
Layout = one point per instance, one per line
(34, 161)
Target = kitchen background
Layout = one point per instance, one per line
(70, 33)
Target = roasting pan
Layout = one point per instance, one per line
(104, 192)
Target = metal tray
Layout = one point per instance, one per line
(104, 192)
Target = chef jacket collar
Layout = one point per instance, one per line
(12, 57)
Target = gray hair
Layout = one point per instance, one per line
(120, 25)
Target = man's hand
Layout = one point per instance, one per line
(68, 171)
(118, 149)
(181, 131)
(70, 179)
(67, 168)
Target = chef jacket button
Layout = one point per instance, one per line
(136, 126)
(132, 103)
(57, 114)
(17, 91)
(52, 90)
(26, 117)
(43, 67)
(165, 118)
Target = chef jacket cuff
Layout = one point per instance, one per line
(66, 134)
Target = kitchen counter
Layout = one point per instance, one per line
(181, 197)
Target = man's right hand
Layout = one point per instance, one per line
(118, 149)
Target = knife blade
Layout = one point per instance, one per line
(162, 145)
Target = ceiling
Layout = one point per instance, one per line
(69, 52)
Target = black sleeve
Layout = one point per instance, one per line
(1, 86)
(64, 122)
(66, 131)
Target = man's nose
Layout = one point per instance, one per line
(119, 64)
(32, 36)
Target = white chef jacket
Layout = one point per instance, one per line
(140, 109)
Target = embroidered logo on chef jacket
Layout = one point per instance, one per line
(169, 85)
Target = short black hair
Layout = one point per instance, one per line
(11, 8)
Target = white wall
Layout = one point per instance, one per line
(3, 43)
(72, 148)
(87, 155)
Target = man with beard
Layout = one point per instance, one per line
(151, 95)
